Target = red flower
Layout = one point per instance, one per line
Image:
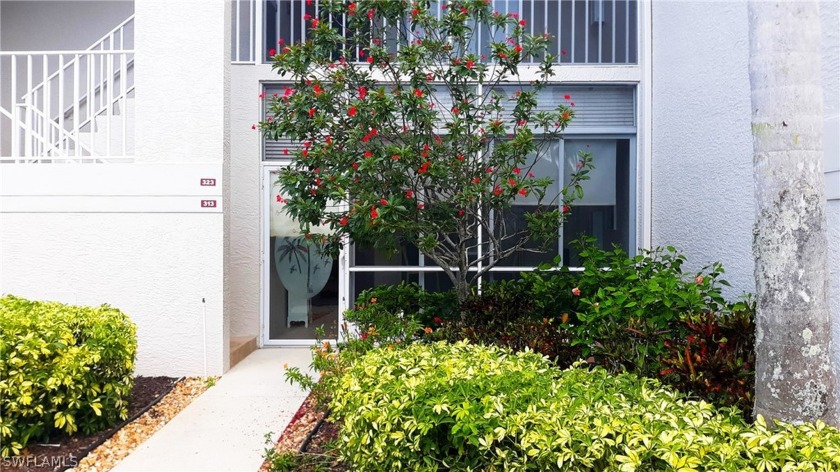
(497, 190)
(420, 206)
(383, 202)
(423, 168)
(418, 93)
(351, 8)
(563, 52)
(518, 48)
(311, 112)
(395, 157)
(355, 165)
(470, 64)
(476, 180)
(307, 16)
(512, 182)
(437, 320)
(370, 59)
(699, 279)
(517, 170)
(566, 208)
(286, 152)
(351, 111)
(362, 93)
(314, 22)
(567, 96)
(463, 10)
(460, 212)
(272, 52)
(254, 126)
(415, 12)
(455, 110)
(368, 154)
(364, 336)
(572, 104)
(409, 194)
(523, 191)
(373, 213)
(460, 157)
(371, 13)
(576, 292)
(430, 77)
(521, 22)
(317, 88)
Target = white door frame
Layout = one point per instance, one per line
(265, 268)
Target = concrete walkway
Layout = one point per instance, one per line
(225, 427)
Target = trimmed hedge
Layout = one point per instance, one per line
(467, 407)
(62, 369)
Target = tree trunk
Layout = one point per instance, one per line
(794, 377)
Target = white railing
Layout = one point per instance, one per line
(584, 31)
(69, 106)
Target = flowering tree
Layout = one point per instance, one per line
(406, 137)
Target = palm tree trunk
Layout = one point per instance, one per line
(794, 377)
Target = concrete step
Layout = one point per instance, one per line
(240, 347)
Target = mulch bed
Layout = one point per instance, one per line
(318, 451)
(63, 452)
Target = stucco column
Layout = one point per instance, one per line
(182, 78)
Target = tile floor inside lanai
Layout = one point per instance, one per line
(224, 428)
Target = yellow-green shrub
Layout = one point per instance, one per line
(466, 407)
(62, 368)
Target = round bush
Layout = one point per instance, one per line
(62, 368)
(467, 407)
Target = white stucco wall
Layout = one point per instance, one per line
(136, 235)
(830, 24)
(45, 25)
(833, 219)
(701, 146)
(246, 195)
(150, 265)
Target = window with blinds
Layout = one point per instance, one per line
(599, 109)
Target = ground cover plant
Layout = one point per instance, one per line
(445, 406)
(62, 369)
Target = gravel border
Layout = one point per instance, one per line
(124, 441)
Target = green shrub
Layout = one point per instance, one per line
(465, 407)
(504, 315)
(62, 369)
(622, 309)
(398, 312)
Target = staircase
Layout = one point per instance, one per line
(69, 106)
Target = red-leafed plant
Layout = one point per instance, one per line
(716, 359)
